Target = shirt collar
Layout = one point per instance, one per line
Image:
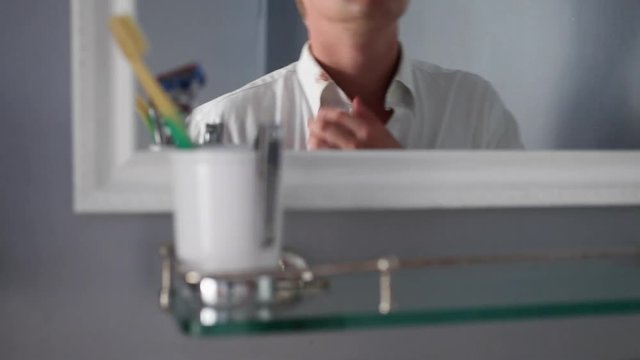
(318, 86)
(313, 78)
(402, 89)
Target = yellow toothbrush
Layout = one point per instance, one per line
(134, 45)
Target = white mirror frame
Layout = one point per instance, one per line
(111, 176)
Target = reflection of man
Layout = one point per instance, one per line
(354, 89)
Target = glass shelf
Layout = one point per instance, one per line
(438, 296)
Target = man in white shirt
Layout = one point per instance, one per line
(353, 88)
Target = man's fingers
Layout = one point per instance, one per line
(355, 125)
(334, 134)
(317, 143)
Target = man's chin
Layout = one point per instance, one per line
(376, 9)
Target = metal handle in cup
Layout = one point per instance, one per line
(269, 147)
(214, 134)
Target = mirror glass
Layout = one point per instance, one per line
(567, 70)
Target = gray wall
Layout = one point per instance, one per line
(569, 69)
(84, 287)
(226, 37)
(286, 34)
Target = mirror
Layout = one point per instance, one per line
(566, 70)
(569, 71)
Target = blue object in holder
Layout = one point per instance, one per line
(183, 84)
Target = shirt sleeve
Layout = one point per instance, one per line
(503, 132)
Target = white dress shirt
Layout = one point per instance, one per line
(433, 108)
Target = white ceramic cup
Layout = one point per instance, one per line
(219, 212)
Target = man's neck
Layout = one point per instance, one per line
(362, 64)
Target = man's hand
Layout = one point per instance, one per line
(337, 129)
